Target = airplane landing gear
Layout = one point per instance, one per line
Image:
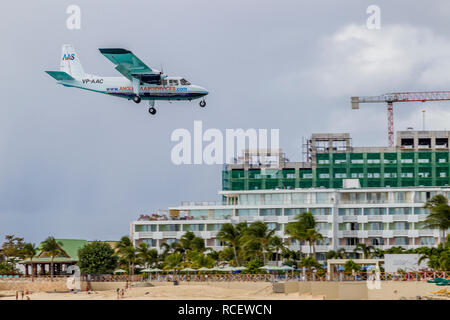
(152, 110)
(202, 103)
(137, 99)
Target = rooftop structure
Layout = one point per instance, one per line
(420, 158)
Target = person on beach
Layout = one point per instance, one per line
(22, 294)
(118, 293)
(17, 295)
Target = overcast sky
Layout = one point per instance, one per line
(76, 164)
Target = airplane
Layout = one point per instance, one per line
(139, 82)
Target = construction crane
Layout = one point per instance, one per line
(390, 98)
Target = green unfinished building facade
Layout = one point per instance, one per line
(420, 158)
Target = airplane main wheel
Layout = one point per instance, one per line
(202, 103)
(137, 99)
(152, 110)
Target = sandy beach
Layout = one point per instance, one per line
(180, 292)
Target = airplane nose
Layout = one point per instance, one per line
(205, 92)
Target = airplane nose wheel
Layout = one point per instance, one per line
(152, 110)
(137, 99)
(202, 103)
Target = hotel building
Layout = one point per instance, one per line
(371, 195)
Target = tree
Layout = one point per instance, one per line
(97, 257)
(364, 249)
(231, 236)
(29, 252)
(127, 253)
(439, 216)
(277, 244)
(146, 256)
(351, 266)
(339, 254)
(257, 236)
(52, 248)
(304, 229)
(12, 249)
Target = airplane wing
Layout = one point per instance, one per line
(126, 62)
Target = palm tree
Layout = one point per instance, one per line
(230, 235)
(365, 250)
(439, 216)
(51, 247)
(277, 244)
(258, 235)
(146, 255)
(127, 253)
(29, 252)
(304, 229)
(339, 254)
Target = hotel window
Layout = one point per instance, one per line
(151, 242)
(406, 160)
(271, 212)
(390, 175)
(407, 175)
(399, 210)
(213, 227)
(249, 199)
(324, 176)
(247, 212)
(294, 211)
(339, 161)
(307, 176)
(442, 174)
(400, 225)
(374, 211)
(357, 161)
(199, 214)
(420, 210)
(323, 242)
(424, 174)
(349, 211)
(423, 160)
(349, 226)
(351, 241)
(322, 226)
(357, 175)
(273, 226)
(274, 198)
(401, 241)
(323, 161)
(298, 198)
(399, 196)
(340, 175)
(375, 226)
(377, 241)
(427, 241)
(221, 214)
(193, 227)
(373, 161)
(321, 211)
(322, 197)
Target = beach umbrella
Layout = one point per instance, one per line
(147, 270)
(228, 268)
(286, 268)
(188, 269)
(204, 269)
(119, 271)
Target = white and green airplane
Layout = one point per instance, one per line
(139, 82)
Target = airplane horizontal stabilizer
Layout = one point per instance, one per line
(60, 75)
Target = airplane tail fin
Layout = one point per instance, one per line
(70, 62)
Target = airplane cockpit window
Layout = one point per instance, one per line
(184, 82)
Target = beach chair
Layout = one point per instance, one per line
(440, 292)
(435, 280)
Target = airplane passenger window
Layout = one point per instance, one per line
(173, 82)
(184, 82)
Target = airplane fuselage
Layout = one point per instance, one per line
(122, 87)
